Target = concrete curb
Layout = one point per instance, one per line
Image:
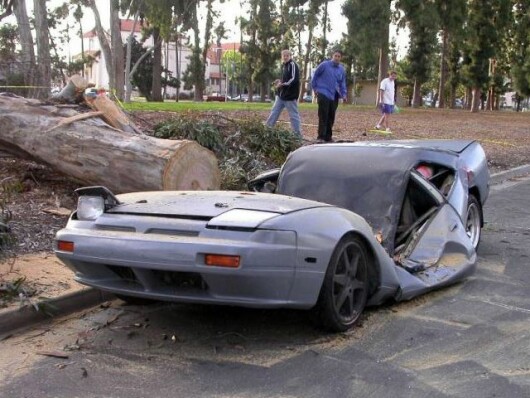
(62, 305)
(499, 178)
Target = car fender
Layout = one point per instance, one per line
(318, 232)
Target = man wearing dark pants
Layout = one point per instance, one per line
(329, 85)
(287, 88)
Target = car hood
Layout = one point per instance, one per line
(207, 204)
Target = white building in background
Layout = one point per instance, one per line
(217, 78)
(175, 58)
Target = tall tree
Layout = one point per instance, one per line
(520, 54)
(181, 20)
(367, 42)
(197, 68)
(8, 43)
(159, 14)
(309, 20)
(269, 39)
(78, 16)
(156, 88)
(452, 17)
(27, 53)
(103, 43)
(455, 63)
(43, 48)
(421, 19)
(249, 46)
(325, 29)
(263, 42)
(487, 20)
(118, 56)
(367, 19)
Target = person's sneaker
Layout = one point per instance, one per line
(378, 127)
(388, 130)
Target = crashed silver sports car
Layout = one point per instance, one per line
(342, 226)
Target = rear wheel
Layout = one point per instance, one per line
(474, 220)
(345, 288)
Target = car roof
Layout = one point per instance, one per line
(368, 178)
(455, 146)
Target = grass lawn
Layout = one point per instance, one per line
(172, 106)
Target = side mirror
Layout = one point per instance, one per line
(265, 182)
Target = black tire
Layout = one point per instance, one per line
(345, 289)
(474, 220)
(132, 300)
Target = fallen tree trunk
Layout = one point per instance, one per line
(94, 153)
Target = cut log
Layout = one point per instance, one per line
(73, 91)
(111, 113)
(93, 153)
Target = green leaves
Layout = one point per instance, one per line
(189, 127)
(244, 148)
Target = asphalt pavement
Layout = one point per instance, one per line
(27, 316)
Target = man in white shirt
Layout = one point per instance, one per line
(387, 97)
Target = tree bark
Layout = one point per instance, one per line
(27, 55)
(43, 49)
(156, 85)
(118, 61)
(104, 44)
(416, 95)
(383, 61)
(443, 70)
(128, 61)
(93, 153)
(475, 102)
(305, 64)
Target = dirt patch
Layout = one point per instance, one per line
(44, 277)
(42, 199)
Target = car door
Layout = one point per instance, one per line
(436, 245)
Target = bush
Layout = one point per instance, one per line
(190, 127)
(271, 142)
(244, 148)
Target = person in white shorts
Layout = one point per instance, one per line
(387, 99)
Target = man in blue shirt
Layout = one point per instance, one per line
(329, 85)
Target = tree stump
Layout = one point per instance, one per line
(73, 91)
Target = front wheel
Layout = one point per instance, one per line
(474, 220)
(345, 289)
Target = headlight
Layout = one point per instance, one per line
(90, 207)
(239, 218)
